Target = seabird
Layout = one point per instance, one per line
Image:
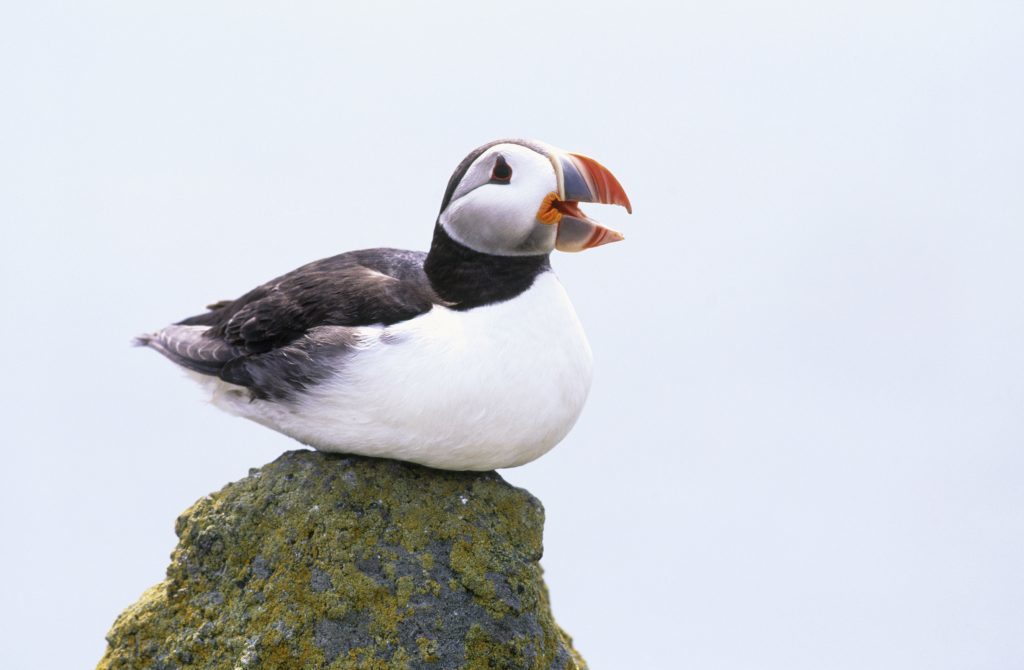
(468, 357)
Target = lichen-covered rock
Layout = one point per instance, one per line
(323, 561)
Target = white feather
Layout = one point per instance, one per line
(492, 387)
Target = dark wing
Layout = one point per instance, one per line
(274, 338)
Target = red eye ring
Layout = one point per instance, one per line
(502, 171)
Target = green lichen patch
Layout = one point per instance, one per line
(325, 561)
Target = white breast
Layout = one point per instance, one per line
(492, 387)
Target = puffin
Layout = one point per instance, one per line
(467, 357)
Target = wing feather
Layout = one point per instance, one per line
(273, 338)
(191, 347)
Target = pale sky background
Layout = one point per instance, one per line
(804, 447)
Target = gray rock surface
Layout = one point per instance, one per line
(324, 561)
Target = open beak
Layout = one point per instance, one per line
(581, 179)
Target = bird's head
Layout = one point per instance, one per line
(521, 198)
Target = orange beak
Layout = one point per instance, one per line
(581, 179)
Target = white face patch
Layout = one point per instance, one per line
(498, 218)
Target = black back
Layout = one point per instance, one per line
(357, 288)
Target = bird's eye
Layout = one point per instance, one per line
(502, 172)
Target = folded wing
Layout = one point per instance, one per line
(276, 339)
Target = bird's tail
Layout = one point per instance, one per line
(188, 347)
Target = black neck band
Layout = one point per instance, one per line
(471, 279)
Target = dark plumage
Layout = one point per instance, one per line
(273, 339)
(466, 279)
(357, 288)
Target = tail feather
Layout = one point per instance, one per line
(189, 347)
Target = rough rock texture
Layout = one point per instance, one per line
(321, 561)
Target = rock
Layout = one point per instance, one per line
(325, 561)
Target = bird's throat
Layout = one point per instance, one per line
(469, 278)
